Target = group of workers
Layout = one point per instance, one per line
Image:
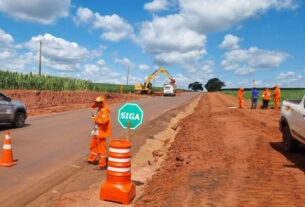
(266, 97)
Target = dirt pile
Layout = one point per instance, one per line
(223, 156)
(45, 102)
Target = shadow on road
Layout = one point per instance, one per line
(4, 127)
(297, 158)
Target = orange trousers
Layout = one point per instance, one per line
(277, 101)
(240, 103)
(98, 150)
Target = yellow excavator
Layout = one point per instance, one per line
(146, 88)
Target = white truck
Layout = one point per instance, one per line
(169, 90)
(292, 123)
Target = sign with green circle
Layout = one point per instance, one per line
(130, 112)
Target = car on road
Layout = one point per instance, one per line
(12, 111)
(292, 123)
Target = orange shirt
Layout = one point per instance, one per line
(277, 93)
(266, 94)
(240, 94)
(103, 122)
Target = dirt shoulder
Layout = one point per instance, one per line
(227, 157)
(46, 102)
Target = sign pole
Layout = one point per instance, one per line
(128, 132)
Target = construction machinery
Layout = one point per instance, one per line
(168, 89)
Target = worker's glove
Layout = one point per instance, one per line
(92, 115)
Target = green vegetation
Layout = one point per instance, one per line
(196, 86)
(292, 94)
(14, 80)
(214, 84)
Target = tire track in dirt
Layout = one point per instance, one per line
(223, 157)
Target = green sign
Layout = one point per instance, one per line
(130, 112)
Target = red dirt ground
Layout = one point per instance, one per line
(223, 156)
(46, 102)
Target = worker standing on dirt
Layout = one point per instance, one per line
(254, 98)
(102, 131)
(266, 97)
(240, 96)
(276, 96)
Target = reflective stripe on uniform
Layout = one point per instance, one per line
(118, 160)
(93, 153)
(119, 150)
(94, 133)
(115, 169)
(102, 156)
(7, 146)
(7, 136)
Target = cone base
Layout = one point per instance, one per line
(7, 164)
(121, 193)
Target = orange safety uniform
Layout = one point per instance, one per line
(276, 96)
(98, 145)
(240, 96)
(266, 94)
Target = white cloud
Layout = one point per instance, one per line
(100, 74)
(125, 62)
(218, 15)
(101, 62)
(60, 54)
(244, 62)
(207, 66)
(11, 60)
(131, 80)
(289, 76)
(6, 40)
(247, 83)
(83, 15)
(42, 11)
(230, 42)
(144, 67)
(290, 79)
(116, 27)
(181, 38)
(171, 41)
(156, 5)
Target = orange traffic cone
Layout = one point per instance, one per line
(7, 154)
(118, 186)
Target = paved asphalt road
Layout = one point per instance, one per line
(51, 142)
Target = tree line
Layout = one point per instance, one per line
(213, 84)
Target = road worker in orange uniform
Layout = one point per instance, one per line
(266, 97)
(240, 96)
(102, 130)
(276, 96)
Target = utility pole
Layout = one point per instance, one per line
(40, 59)
(127, 76)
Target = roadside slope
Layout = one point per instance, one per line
(227, 157)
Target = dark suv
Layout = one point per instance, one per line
(12, 111)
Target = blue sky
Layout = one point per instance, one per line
(195, 40)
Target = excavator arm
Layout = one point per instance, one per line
(157, 72)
